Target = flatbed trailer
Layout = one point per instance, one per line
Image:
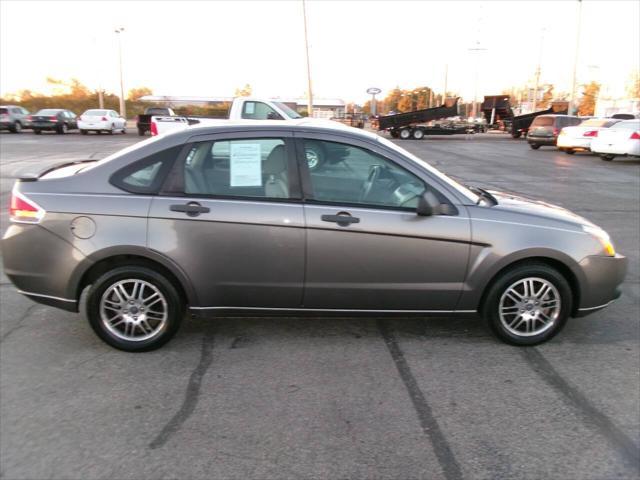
(521, 123)
(408, 125)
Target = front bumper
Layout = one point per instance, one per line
(601, 283)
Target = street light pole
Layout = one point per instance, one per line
(306, 46)
(446, 75)
(123, 109)
(575, 60)
(477, 49)
(535, 91)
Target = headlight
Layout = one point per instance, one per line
(602, 237)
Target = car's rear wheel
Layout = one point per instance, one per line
(84, 132)
(17, 128)
(112, 131)
(569, 151)
(37, 131)
(405, 133)
(418, 134)
(62, 129)
(534, 146)
(528, 304)
(134, 308)
(607, 157)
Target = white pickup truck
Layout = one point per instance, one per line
(242, 108)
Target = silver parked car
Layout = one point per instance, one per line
(231, 218)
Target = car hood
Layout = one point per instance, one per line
(520, 204)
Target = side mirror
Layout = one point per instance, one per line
(428, 205)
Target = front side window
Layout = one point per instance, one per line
(352, 175)
(259, 111)
(238, 168)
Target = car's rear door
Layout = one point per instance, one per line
(367, 249)
(231, 217)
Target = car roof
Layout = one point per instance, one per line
(302, 124)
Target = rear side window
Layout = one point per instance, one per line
(542, 122)
(146, 175)
(628, 125)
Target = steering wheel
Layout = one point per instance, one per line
(367, 185)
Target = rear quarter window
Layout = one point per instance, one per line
(147, 175)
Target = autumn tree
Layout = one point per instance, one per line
(246, 91)
(633, 87)
(587, 104)
(547, 97)
(139, 92)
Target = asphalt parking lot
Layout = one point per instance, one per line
(396, 398)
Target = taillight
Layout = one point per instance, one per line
(104, 119)
(590, 133)
(29, 118)
(154, 129)
(556, 131)
(23, 210)
(54, 118)
(635, 136)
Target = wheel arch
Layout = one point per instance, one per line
(97, 264)
(561, 266)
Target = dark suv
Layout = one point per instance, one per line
(545, 129)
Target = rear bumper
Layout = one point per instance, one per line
(603, 277)
(94, 125)
(40, 264)
(629, 147)
(45, 125)
(565, 141)
(542, 140)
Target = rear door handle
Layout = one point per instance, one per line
(193, 209)
(342, 218)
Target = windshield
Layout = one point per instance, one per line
(291, 113)
(95, 113)
(449, 181)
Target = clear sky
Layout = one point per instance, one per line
(212, 48)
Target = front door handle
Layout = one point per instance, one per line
(342, 218)
(193, 209)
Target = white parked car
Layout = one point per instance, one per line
(99, 121)
(579, 137)
(623, 139)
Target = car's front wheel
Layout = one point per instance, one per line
(134, 308)
(607, 157)
(528, 304)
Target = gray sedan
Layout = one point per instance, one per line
(231, 218)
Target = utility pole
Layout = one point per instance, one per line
(446, 74)
(535, 91)
(477, 49)
(575, 60)
(306, 46)
(123, 109)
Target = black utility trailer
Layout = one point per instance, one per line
(521, 123)
(497, 110)
(408, 125)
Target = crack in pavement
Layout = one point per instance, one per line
(192, 393)
(622, 444)
(18, 324)
(428, 422)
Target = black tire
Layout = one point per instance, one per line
(16, 128)
(141, 132)
(315, 154)
(37, 131)
(516, 134)
(405, 133)
(543, 271)
(418, 134)
(113, 129)
(62, 129)
(174, 303)
(98, 132)
(534, 146)
(393, 133)
(569, 151)
(84, 132)
(607, 157)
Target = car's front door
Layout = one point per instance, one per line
(367, 249)
(232, 219)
